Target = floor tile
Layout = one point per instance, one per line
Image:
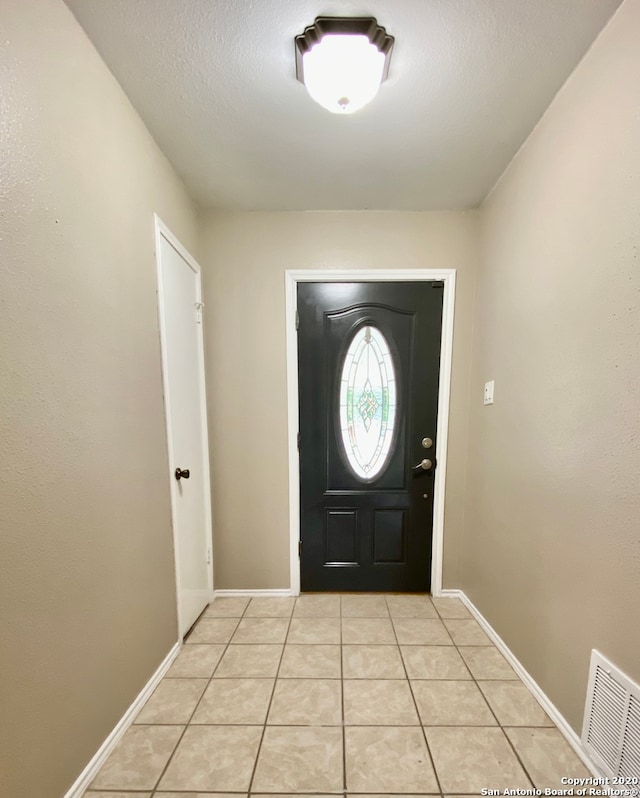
(214, 758)
(196, 661)
(467, 633)
(235, 701)
(212, 630)
(227, 607)
(310, 662)
(249, 661)
(380, 702)
(470, 759)
(388, 759)
(372, 662)
(173, 701)
(486, 662)
(451, 608)
(364, 607)
(295, 688)
(434, 662)
(514, 705)
(138, 760)
(421, 632)
(306, 702)
(277, 607)
(314, 630)
(368, 631)
(261, 630)
(451, 703)
(411, 607)
(317, 606)
(300, 760)
(547, 756)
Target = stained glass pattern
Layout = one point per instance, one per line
(368, 400)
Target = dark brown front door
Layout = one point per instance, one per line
(368, 361)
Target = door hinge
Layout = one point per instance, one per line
(198, 306)
(209, 555)
(299, 549)
(297, 320)
(298, 441)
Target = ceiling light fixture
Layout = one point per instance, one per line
(342, 61)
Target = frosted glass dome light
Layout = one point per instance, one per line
(343, 73)
(342, 62)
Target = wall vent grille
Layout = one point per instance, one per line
(630, 759)
(611, 729)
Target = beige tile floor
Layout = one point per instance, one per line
(329, 695)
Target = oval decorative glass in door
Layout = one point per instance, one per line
(368, 400)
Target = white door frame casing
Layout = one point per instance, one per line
(292, 278)
(162, 231)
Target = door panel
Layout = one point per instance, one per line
(368, 364)
(341, 537)
(390, 537)
(185, 407)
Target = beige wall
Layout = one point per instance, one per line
(245, 256)
(552, 520)
(87, 591)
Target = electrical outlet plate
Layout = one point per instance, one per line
(488, 392)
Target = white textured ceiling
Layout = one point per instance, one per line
(214, 80)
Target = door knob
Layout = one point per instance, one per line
(425, 465)
(182, 473)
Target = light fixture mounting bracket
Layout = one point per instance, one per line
(363, 26)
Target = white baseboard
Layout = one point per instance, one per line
(266, 593)
(445, 592)
(98, 759)
(542, 698)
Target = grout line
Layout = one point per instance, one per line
(475, 681)
(359, 725)
(186, 725)
(333, 643)
(273, 691)
(415, 704)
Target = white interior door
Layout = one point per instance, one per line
(180, 310)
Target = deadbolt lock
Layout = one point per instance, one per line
(427, 443)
